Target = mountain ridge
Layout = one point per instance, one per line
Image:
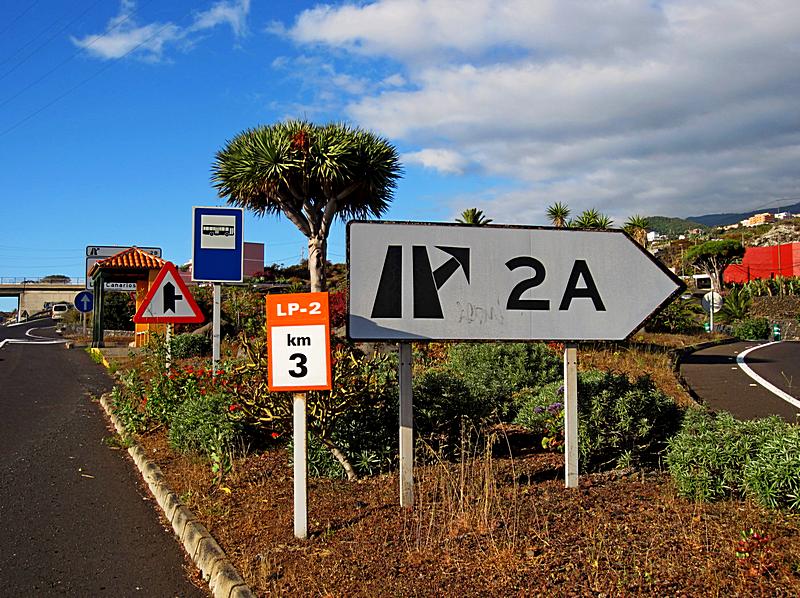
(724, 218)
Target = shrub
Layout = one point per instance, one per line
(127, 408)
(190, 345)
(494, 372)
(679, 317)
(543, 413)
(444, 408)
(751, 329)
(620, 422)
(533, 406)
(201, 425)
(772, 477)
(707, 457)
(358, 417)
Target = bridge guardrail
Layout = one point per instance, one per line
(32, 280)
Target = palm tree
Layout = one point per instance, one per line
(592, 219)
(474, 217)
(311, 174)
(636, 227)
(558, 214)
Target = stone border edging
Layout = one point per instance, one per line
(223, 579)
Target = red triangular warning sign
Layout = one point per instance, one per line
(168, 301)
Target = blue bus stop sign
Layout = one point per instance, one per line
(84, 301)
(217, 244)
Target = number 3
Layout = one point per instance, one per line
(301, 369)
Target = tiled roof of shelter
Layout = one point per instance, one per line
(132, 258)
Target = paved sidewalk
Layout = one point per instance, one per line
(715, 377)
(75, 518)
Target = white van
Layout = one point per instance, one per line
(58, 310)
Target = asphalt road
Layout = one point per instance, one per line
(779, 364)
(75, 517)
(716, 378)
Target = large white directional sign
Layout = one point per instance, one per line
(418, 281)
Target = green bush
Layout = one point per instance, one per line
(751, 329)
(707, 457)
(127, 408)
(772, 477)
(358, 417)
(118, 311)
(620, 422)
(543, 414)
(190, 345)
(495, 372)
(679, 317)
(201, 425)
(533, 413)
(444, 409)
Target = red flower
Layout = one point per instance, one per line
(233, 407)
(275, 435)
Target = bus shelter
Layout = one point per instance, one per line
(129, 266)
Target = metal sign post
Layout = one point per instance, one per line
(300, 460)
(571, 415)
(84, 302)
(215, 336)
(406, 428)
(298, 344)
(168, 346)
(712, 303)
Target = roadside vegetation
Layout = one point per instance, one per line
(672, 498)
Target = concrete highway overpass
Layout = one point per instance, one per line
(32, 295)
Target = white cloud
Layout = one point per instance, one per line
(630, 106)
(123, 36)
(422, 29)
(443, 160)
(232, 13)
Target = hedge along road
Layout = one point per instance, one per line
(720, 382)
(75, 519)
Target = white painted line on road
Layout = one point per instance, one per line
(46, 338)
(768, 385)
(19, 341)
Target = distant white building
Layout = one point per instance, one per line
(782, 215)
(654, 236)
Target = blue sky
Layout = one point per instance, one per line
(111, 112)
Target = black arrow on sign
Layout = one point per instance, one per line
(446, 270)
(170, 297)
(427, 282)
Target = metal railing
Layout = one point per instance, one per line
(17, 280)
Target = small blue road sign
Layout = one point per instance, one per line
(217, 244)
(84, 301)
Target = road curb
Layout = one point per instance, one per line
(223, 579)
